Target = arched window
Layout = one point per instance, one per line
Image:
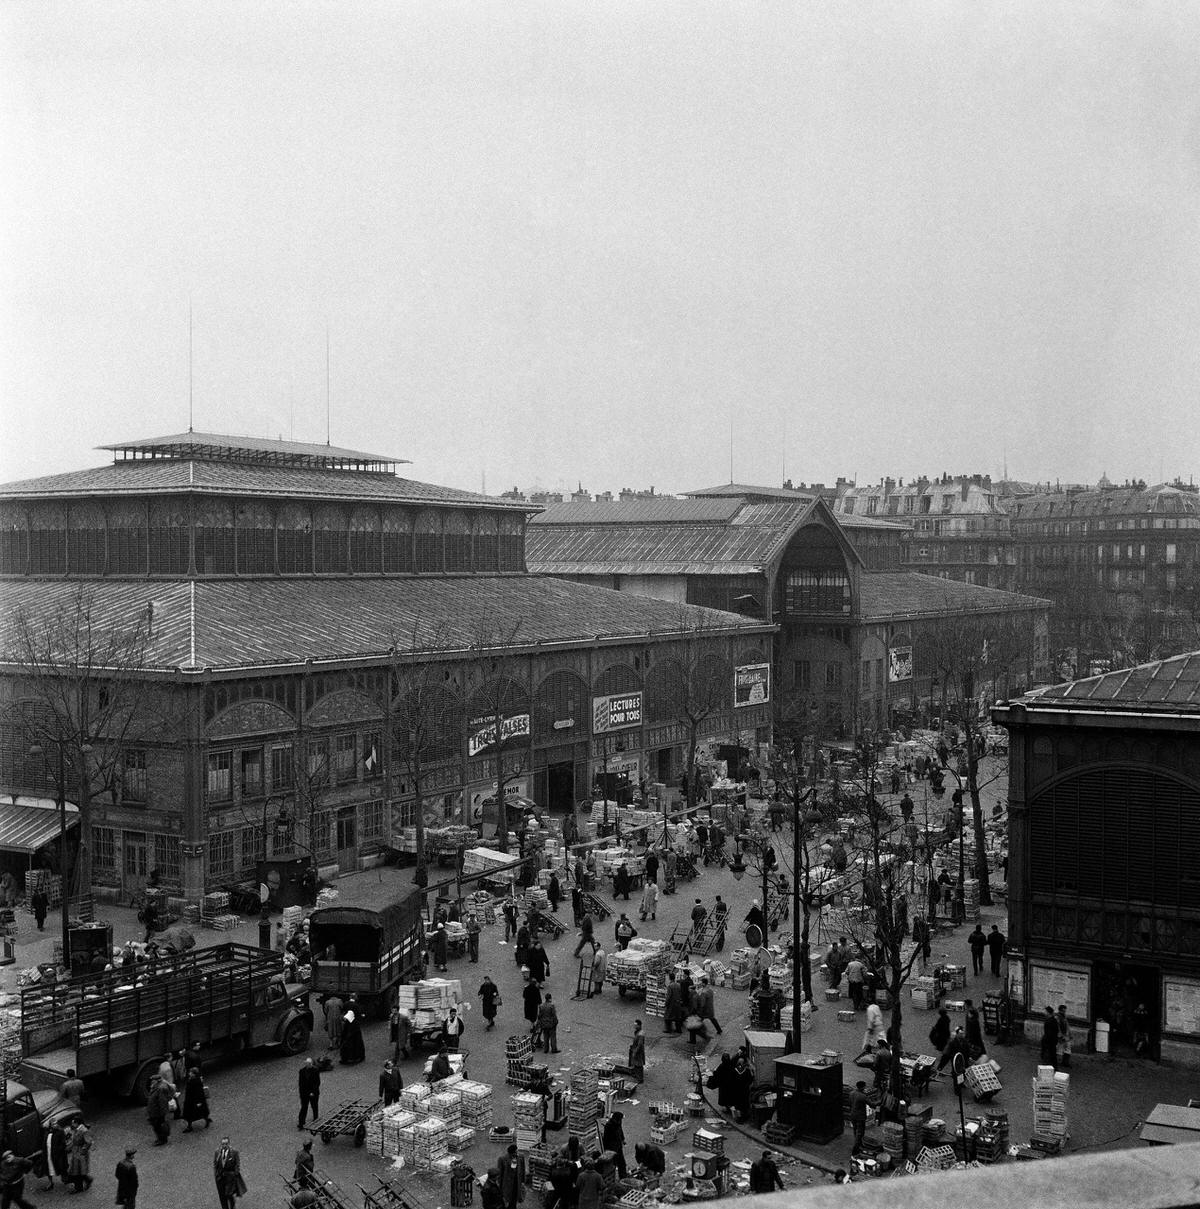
(427, 726)
(458, 541)
(126, 538)
(169, 538)
(512, 542)
(428, 541)
(293, 537)
(487, 542)
(331, 552)
(665, 691)
(560, 708)
(365, 552)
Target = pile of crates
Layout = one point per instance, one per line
(529, 1118)
(518, 1052)
(584, 1109)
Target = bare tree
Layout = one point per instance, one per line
(425, 718)
(503, 716)
(794, 771)
(85, 698)
(698, 685)
(967, 651)
(881, 929)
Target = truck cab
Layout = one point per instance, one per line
(28, 1116)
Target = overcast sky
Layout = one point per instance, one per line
(578, 241)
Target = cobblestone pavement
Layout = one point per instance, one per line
(254, 1100)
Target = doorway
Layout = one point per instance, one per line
(560, 787)
(1128, 996)
(136, 863)
(347, 839)
(662, 765)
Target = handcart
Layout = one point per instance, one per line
(399, 1193)
(328, 1194)
(348, 1119)
(685, 868)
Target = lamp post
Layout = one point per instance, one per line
(60, 782)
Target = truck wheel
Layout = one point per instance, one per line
(295, 1038)
(384, 1004)
(142, 1081)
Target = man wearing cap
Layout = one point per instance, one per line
(303, 1174)
(12, 1179)
(127, 1180)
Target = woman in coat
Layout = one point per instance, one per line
(58, 1153)
(743, 1086)
(489, 998)
(195, 1100)
(532, 995)
(538, 962)
(351, 1049)
(439, 948)
(523, 939)
(722, 1082)
(637, 1052)
(614, 1140)
(79, 1149)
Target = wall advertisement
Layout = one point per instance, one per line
(751, 684)
(900, 665)
(616, 712)
(1181, 1006)
(1051, 985)
(483, 732)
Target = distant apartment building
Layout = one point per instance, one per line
(1122, 565)
(960, 527)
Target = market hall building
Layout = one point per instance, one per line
(855, 635)
(292, 599)
(1104, 854)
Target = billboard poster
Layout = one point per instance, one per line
(899, 663)
(483, 732)
(751, 684)
(616, 712)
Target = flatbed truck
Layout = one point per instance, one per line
(120, 1026)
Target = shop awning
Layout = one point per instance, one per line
(28, 824)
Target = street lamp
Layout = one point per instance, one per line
(737, 866)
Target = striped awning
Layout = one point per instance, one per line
(28, 824)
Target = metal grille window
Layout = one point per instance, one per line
(365, 549)
(255, 540)
(332, 550)
(167, 858)
(345, 758)
(220, 854)
(169, 540)
(512, 543)
(458, 542)
(220, 776)
(801, 674)
(48, 540)
(429, 541)
(817, 592)
(397, 542)
(1118, 835)
(487, 545)
(214, 540)
(133, 776)
(104, 848)
(293, 538)
(833, 676)
(283, 767)
(252, 846)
